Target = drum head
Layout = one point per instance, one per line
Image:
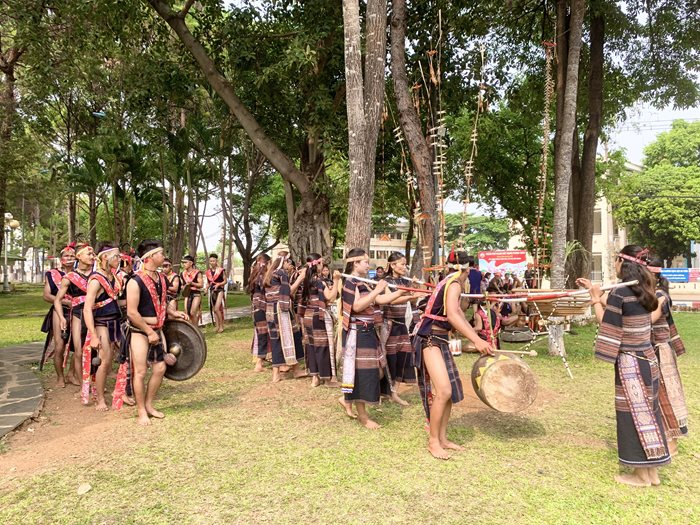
(187, 343)
(505, 383)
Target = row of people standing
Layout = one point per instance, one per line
(102, 308)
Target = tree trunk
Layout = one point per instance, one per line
(191, 215)
(586, 201)
(421, 158)
(8, 105)
(179, 242)
(361, 191)
(166, 230)
(92, 214)
(562, 161)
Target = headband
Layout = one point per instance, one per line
(357, 258)
(654, 269)
(283, 257)
(314, 263)
(457, 266)
(69, 248)
(106, 251)
(634, 259)
(151, 253)
(82, 249)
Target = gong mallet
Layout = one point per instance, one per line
(531, 353)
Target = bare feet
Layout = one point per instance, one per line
(143, 420)
(315, 381)
(632, 480)
(673, 447)
(446, 443)
(60, 383)
(284, 368)
(347, 406)
(276, 378)
(436, 450)
(259, 366)
(331, 383)
(154, 413)
(368, 423)
(396, 399)
(72, 380)
(128, 400)
(299, 373)
(101, 406)
(652, 476)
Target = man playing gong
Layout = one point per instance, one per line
(147, 306)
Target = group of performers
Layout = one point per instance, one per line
(389, 337)
(101, 307)
(375, 326)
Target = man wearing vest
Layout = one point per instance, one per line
(147, 307)
(216, 280)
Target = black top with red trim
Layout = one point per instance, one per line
(146, 306)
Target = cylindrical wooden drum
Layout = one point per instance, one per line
(504, 382)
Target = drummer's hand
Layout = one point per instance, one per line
(64, 324)
(183, 315)
(94, 340)
(483, 347)
(153, 338)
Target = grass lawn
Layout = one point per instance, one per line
(236, 449)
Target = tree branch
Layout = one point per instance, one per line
(183, 12)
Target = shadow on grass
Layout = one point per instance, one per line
(501, 425)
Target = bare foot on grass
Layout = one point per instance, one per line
(451, 445)
(258, 366)
(155, 413)
(368, 423)
(396, 399)
(633, 480)
(436, 450)
(101, 406)
(128, 400)
(143, 420)
(347, 406)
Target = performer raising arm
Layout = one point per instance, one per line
(147, 305)
(624, 339)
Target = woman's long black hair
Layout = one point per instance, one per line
(311, 273)
(355, 252)
(395, 256)
(661, 281)
(259, 268)
(645, 291)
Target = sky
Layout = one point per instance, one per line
(633, 135)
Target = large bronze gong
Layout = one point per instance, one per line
(187, 344)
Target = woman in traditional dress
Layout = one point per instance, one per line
(193, 282)
(668, 346)
(365, 372)
(318, 324)
(438, 377)
(397, 318)
(260, 346)
(624, 338)
(286, 354)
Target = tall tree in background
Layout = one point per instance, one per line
(566, 124)
(421, 158)
(364, 107)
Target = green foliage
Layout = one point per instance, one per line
(660, 204)
(482, 233)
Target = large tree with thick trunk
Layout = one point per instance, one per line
(421, 158)
(311, 226)
(364, 106)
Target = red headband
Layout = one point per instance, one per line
(637, 259)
